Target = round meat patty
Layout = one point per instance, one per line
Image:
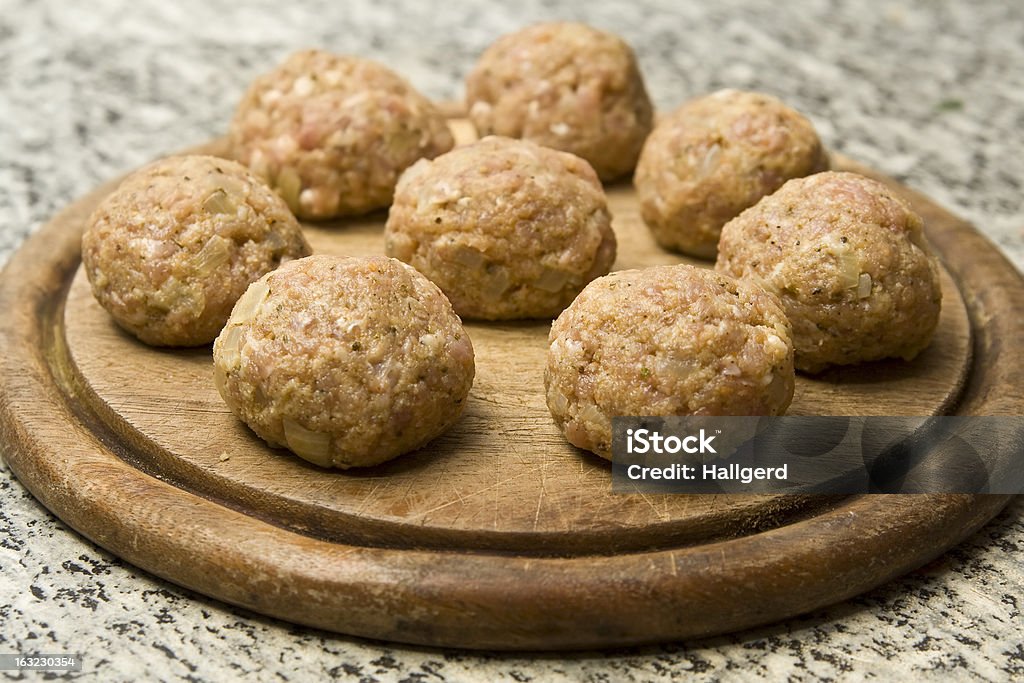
(347, 362)
(173, 247)
(714, 157)
(506, 228)
(566, 86)
(669, 340)
(332, 133)
(850, 264)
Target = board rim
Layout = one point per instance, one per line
(632, 598)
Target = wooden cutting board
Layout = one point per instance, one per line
(498, 535)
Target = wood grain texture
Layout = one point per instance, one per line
(498, 535)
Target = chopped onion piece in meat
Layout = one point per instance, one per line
(230, 355)
(497, 284)
(249, 303)
(307, 444)
(590, 414)
(218, 202)
(212, 256)
(289, 185)
(274, 240)
(552, 280)
(673, 369)
(220, 379)
(469, 257)
(710, 161)
(847, 261)
(864, 286)
(557, 401)
(732, 370)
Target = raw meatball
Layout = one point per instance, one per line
(850, 263)
(714, 157)
(670, 340)
(348, 362)
(508, 229)
(332, 133)
(170, 251)
(567, 86)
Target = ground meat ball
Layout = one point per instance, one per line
(348, 362)
(170, 251)
(332, 133)
(850, 263)
(670, 340)
(714, 157)
(567, 86)
(508, 229)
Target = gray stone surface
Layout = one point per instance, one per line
(930, 93)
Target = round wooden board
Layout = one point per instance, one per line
(497, 535)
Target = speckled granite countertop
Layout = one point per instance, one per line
(931, 93)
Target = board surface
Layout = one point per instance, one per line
(498, 534)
